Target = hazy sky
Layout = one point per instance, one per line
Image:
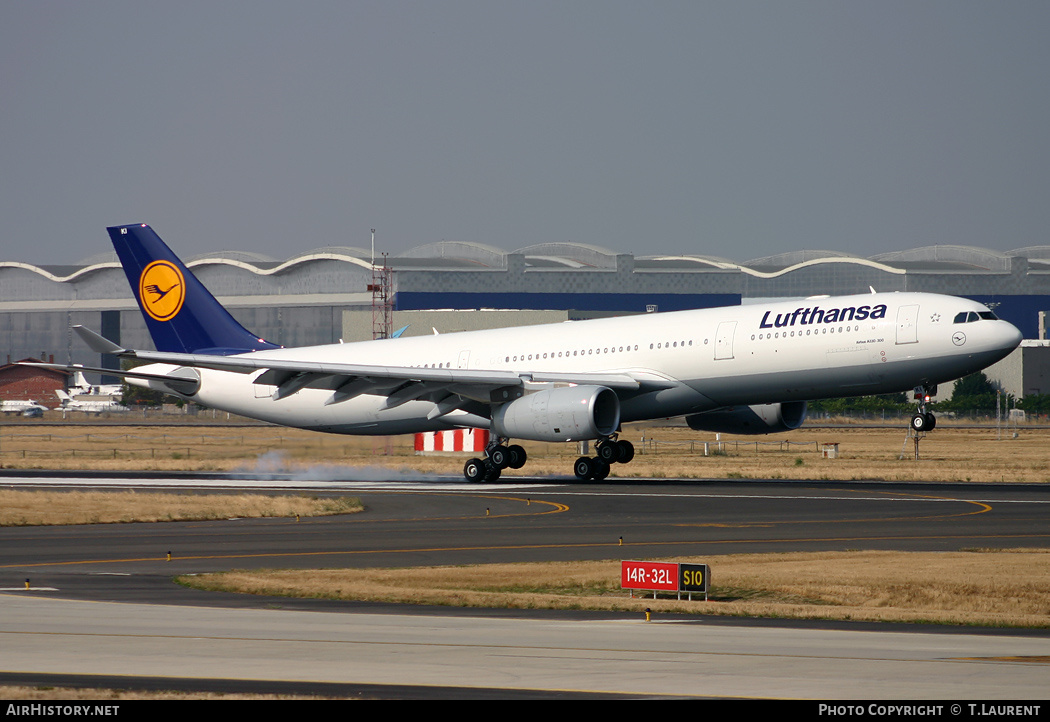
(737, 129)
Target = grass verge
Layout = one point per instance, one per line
(41, 508)
(1005, 588)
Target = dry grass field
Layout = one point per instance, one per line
(949, 453)
(101, 695)
(980, 587)
(39, 508)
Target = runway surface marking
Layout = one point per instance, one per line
(563, 487)
(795, 497)
(436, 484)
(511, 547)
(983, 508)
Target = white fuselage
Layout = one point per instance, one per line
(710, 358)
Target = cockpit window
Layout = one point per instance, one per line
(971, 316)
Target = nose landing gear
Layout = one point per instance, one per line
(924, 420)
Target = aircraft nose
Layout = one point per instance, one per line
(1009, 335)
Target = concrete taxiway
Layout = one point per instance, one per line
(670, 657)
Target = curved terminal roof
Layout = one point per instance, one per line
(353, 251)
(685, 262)
(792, 258)
(240, 256)
(464, 255)
(570, 255)
(449, 253)
(99, 258)
(947, 258)
(1038, 257)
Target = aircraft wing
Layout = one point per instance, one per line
(400, 384)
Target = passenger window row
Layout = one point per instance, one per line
(595, 351)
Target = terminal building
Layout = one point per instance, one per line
(329, 294)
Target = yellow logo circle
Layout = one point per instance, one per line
(162, 289)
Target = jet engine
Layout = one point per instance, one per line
(758, 419)
(570, 413)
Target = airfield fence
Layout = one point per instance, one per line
(37, 443)
(708, 448)
(190, 444)
(155, 446)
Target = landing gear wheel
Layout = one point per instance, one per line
(517, 456)
(500, 457)
(475, 470)
(584, 468)
(601, 469)
(609, 452)
(615, 452)
(924, 420)
(492, 472)
(625, 450)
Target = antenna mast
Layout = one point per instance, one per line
(382, 303)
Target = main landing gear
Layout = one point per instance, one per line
(609, 451)
(498, 456)
(924, 420)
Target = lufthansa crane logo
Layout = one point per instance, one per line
(162, 289)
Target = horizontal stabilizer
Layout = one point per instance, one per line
(182, 380)
(97, 343)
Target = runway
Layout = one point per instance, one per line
(113, 611)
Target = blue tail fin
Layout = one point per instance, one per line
(181, 314)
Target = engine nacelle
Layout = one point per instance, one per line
(571, 413)
(759, 419)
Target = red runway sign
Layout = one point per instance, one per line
(664, 576)
(649, 575)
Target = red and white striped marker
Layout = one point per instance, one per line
(453, 440)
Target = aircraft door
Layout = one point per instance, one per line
(907, 324)
(724, 340)
(464, 360)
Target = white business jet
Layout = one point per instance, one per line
(23, 407)
(83, 402)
